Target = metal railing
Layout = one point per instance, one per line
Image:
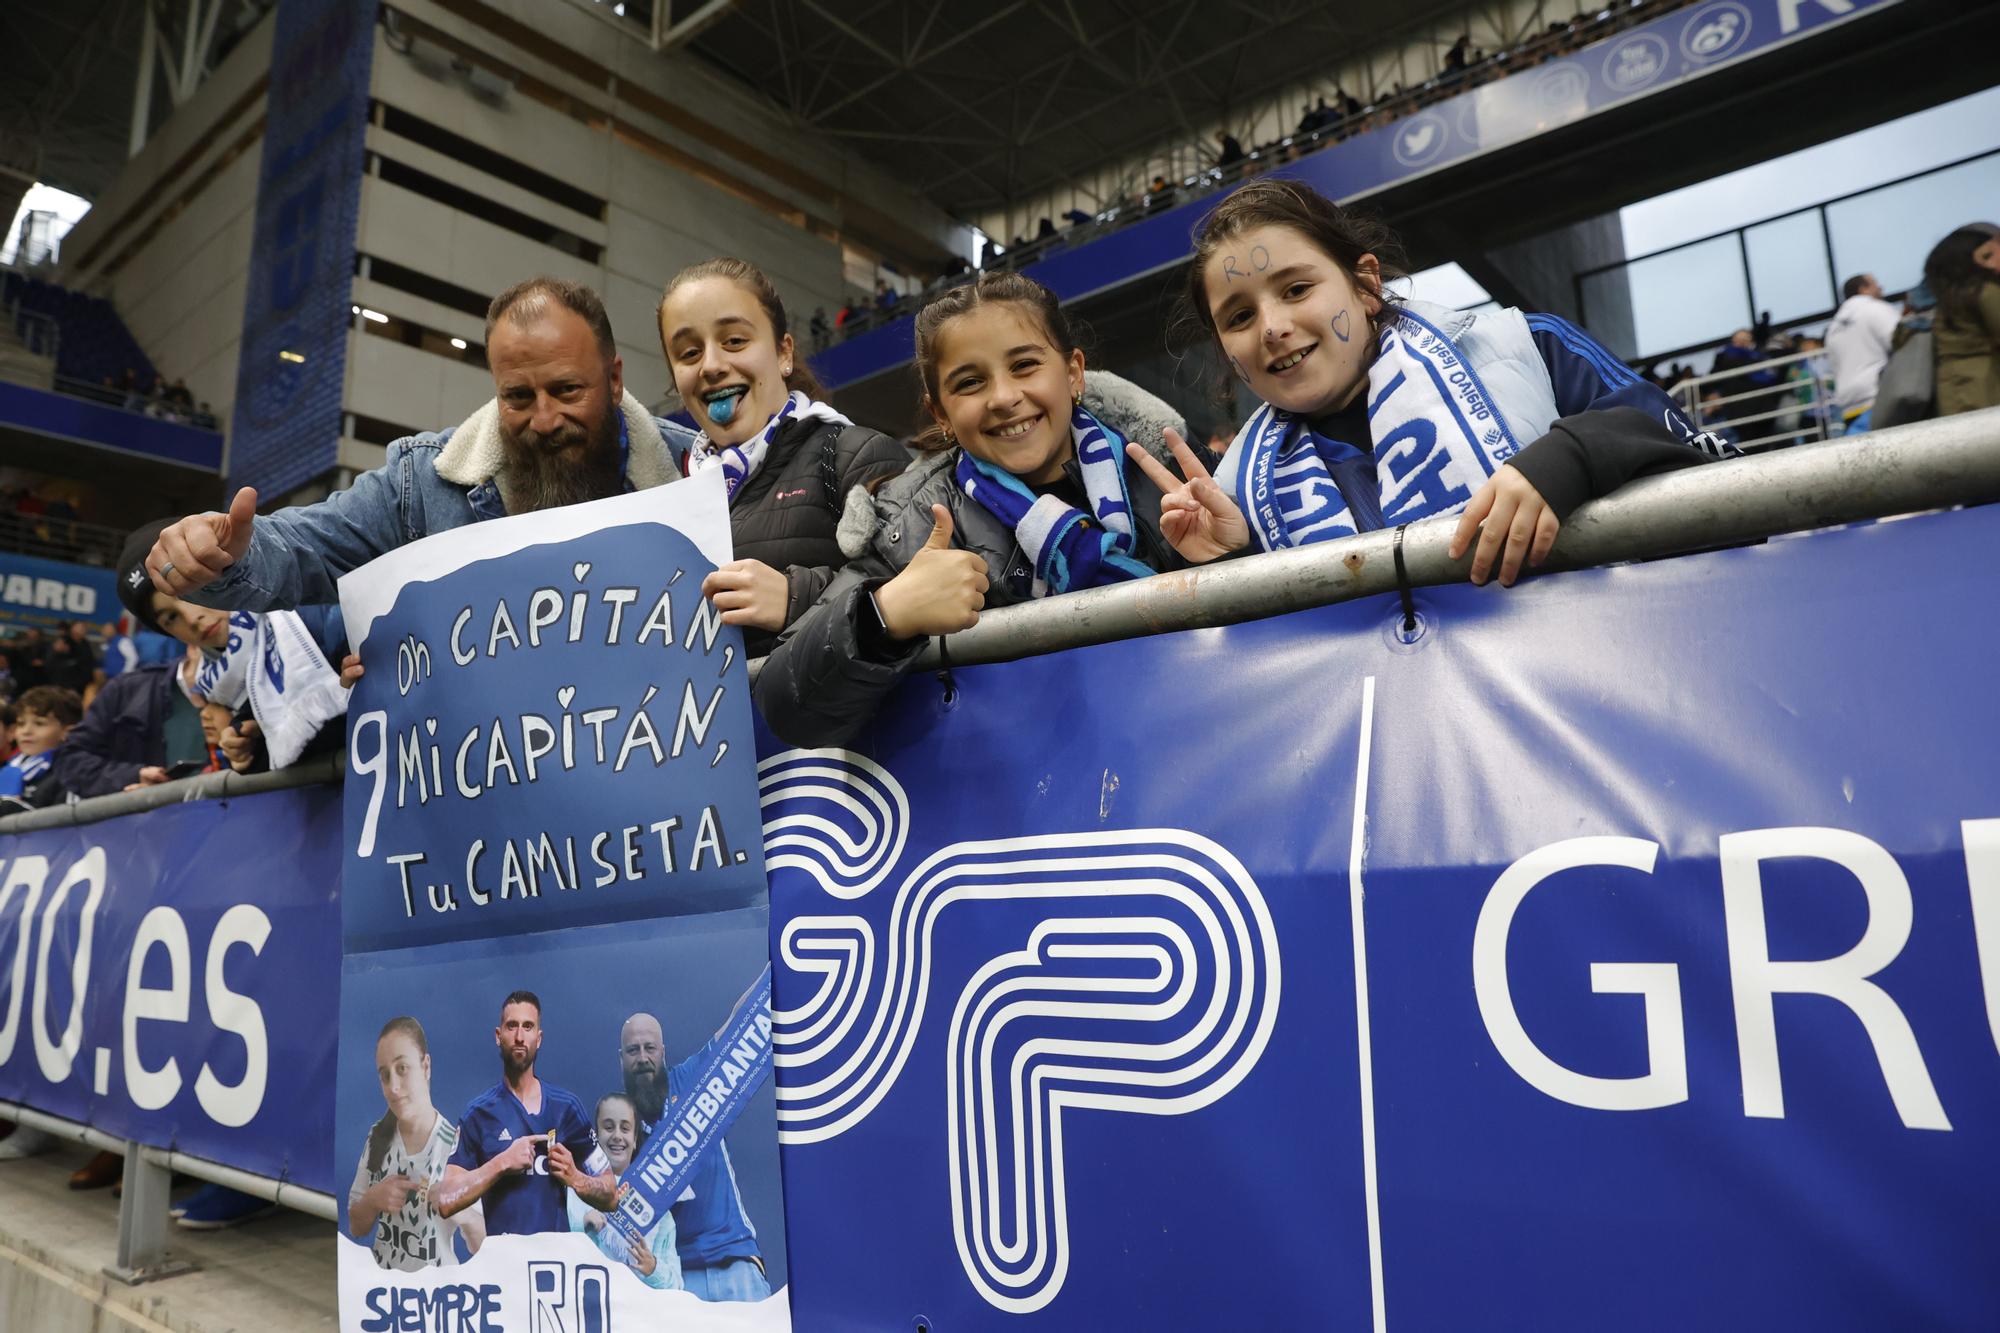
(56, 537)
(1930, 465)
(1790, 265)
(1795, 408)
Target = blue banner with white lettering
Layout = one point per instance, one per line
(166, 977)
(1622, 949)
(285, 429)
(49, 594)
(555, 927)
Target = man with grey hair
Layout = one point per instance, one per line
(559, 430)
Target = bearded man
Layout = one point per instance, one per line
(720, 1259)
(560, 430)
(524, 1141)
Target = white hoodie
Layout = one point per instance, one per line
(1857, 347)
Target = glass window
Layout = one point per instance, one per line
(1888, 231)
(1788, 274)
(1692, 295)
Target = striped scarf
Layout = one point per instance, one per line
(1069, 549)
(739, 462)
(1438, 436)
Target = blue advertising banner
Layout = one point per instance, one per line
(285, 429)
(1622, 949)
(48, 594)
(553, 1098)
(1670, 50)
(166, 977)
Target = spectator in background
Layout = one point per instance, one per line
(1076, 217)
(817, 326)
(1231, 152)
(6, 721)
(1857, 347)
(1963, 273)
(216, 718)
(885, 295)
(1044, 229)
(1316, 117)
(144, 722)
(1455, 59)
(1741, 353)
(73, 659)
(7, 692)
(43, 719)
(30, 658)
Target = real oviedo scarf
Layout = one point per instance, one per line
(739, 462)
(1069, 549)
(1438, 436)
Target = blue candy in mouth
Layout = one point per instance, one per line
(722, 407)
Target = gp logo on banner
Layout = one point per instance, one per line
(1148, 987)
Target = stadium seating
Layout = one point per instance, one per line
(94, 340)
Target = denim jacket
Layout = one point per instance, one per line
(429, 483)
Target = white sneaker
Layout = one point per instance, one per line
(24, 1142)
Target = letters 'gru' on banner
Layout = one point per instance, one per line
(553, 1097)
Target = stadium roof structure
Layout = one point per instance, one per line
(66, 103)
(978, 105)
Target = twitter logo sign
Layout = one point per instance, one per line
(1420, 139)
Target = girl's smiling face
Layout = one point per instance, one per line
(617, 1131)
(723, 351)
(1294, 324)
(1005, 392)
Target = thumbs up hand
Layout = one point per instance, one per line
(196, 550)
(941, 590)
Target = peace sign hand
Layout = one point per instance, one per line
(1197, 517)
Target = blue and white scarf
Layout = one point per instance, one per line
(739, 462)
(1438, 436)
(24, 771)
(1068, 549)
(272, 661)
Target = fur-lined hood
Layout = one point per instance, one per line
(474, 453)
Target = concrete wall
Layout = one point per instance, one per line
(679, 164)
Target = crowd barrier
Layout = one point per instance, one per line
(146, 973)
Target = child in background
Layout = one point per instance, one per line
(42, 720)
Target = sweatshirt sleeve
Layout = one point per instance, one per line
(1588, 378)
(1593, 453)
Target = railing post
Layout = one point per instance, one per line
(142, 1223)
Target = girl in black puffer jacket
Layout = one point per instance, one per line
(794, 465)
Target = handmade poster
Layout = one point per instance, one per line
(554, 1109)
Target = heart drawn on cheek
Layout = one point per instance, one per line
(1340, 323)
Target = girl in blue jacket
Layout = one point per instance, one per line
(1377, 412)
